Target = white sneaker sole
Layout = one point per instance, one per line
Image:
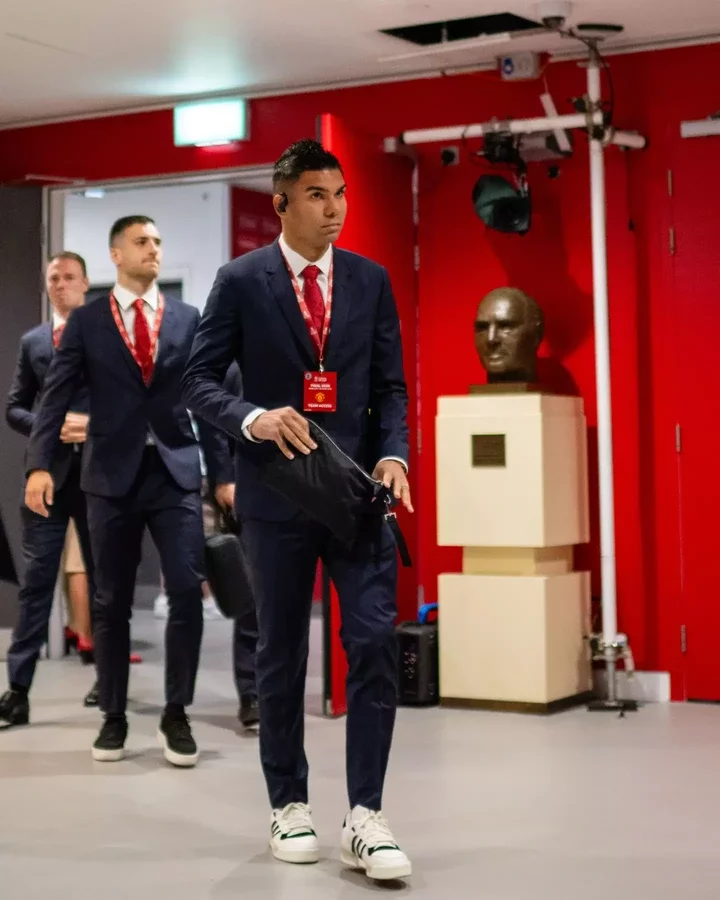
(179, 760)
(108, 755)
(377, 873)
(296, 857)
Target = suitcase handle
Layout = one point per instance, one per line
(425, 610)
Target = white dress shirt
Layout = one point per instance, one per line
(297, 265)
(125, 299)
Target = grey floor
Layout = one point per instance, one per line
(489, 806)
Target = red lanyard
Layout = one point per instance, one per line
(319, 340)
(115, 306)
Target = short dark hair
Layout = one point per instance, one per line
(302, 156)
(122, 225)
(74, 257)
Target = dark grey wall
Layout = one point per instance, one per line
(20, 309)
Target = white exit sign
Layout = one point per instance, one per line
(208, 123)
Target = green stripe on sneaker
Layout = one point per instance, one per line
(383, 847)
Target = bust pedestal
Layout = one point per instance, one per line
(512, 491)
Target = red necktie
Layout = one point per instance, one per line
(57, 334)
(142, 342)
(313, 297)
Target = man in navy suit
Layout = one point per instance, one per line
(43, 538)
(141, 468)
(290, 313)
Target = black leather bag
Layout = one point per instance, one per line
(228, 572)
(333, 489)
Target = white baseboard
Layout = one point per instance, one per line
(645, 687)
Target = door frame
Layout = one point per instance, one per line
(52, 241)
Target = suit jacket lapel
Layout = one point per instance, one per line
(48, 345)
(118, 340)
(341, 304)
(281, 288)
(165, 339)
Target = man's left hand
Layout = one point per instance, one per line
(74, 430)
(392, 474)
(225, 496)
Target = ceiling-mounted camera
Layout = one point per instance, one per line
(554, 13)
(502, 149)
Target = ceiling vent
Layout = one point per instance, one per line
(462, 29)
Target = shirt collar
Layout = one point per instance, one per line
(297, 263)
(126, 298)
(57, 320)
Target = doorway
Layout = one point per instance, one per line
(205, 221)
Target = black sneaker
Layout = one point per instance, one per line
(175, 737)
(110, 743)
(92, 698)
(249, 713)
(14, 709)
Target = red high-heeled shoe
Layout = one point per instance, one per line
(71, 640)
(86, 650)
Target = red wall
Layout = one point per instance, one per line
(460, 260)
(253, 222)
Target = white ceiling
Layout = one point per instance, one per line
(80, 57)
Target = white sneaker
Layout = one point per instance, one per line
(211, 613)
(160, 607)
(367, 843)
(292, 836)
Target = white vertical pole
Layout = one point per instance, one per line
(602, 373)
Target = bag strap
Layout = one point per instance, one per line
(397, 534)
(227, 521)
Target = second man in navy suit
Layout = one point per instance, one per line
(141, 469)
(291, 314)
(44, 537)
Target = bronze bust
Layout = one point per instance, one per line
(509, 328)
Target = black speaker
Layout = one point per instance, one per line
(418, 664)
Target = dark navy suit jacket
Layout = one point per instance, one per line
(122, 408)
(252, 316)
(221, 468)
(36, 354)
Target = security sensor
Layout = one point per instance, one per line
(554, 13)
(450, 156)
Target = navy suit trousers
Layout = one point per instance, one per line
(284, 558)
(43, 541)
(174, 519)
(245, 638)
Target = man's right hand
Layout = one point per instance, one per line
(284, 426)
(39, 492)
